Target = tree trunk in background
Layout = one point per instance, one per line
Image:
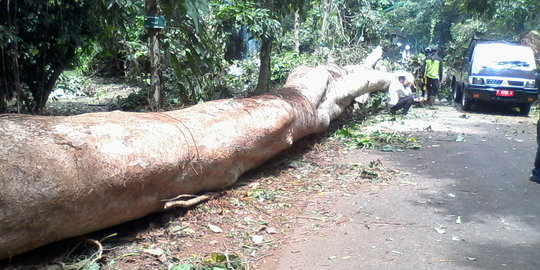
(532, 39)
(46, 88)
(16, 75)
(154, 96)
(297, 31)
(326, 9)
(265, 72)
(65, 176)
(3, 98)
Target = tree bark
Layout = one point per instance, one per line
(297, 31)
(16, 75)
(65, 176)
(154, 96)
(46, 88)
(265, 72)
(3, 83)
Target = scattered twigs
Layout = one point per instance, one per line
(86, 263)
(395, 224)
(312, 218)
(99, 253)
(181, 196)
(179, 201)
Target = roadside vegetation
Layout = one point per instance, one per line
(218, 49)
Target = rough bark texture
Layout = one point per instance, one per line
(265, 73)
(66, 176)
(154, 96)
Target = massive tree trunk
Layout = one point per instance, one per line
(66, 176)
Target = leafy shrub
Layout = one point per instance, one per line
(133, 102)
(72, 82)
(284, 62)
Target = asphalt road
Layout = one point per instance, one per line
(461, 202)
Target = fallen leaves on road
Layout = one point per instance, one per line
(215, 228)
(440, 230)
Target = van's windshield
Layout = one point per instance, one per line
(503, 56)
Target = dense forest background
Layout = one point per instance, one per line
(211, 49)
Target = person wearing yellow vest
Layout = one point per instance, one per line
(432, 74)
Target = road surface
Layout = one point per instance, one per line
(461, 202)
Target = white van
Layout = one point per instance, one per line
(497, 72)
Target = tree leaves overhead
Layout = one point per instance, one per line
(42, 38)
(194, 10)
(503, 17)
(108, 35)
(186, 11)
(237, 14)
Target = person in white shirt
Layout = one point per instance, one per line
(400, 94)
(406, 55)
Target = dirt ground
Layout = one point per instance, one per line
(453, 195)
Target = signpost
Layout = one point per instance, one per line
(154, 24)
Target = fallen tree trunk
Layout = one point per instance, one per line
(65, 176)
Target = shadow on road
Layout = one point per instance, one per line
(483, 180)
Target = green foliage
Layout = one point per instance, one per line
(195, 50)
(241, 83)
(335, 24)
(108, 38)
(117, 46)
(215, 261)
(218, 261)
(375, 104)
(284, 62)
(133, 102)
(42, 38)
(258, 20)
(263, 194)
(353, 137)
(72, 82)
(372, 171)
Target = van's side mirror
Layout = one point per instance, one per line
(466, 59)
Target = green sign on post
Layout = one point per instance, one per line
(155, 22)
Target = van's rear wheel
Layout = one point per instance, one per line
(466, 102)
(456, 92)
(525, 108)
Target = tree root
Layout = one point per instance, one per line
(182, 201)
(87, 263)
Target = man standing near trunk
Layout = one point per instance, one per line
(432, 74)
